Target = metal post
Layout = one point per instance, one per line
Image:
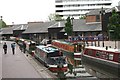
(1, 29)
(115, 44)
(102, 16)
(72, 24)
(109, 35)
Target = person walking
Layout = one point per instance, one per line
(24, 47)
(13, 48)
(5, 48)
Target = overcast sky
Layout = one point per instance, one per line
(23, 11)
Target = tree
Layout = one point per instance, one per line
(55, 17)
(82, 17)
(114, 25)
(2, 24)
(68, 27)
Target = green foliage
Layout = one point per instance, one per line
(58, 17)
(83, 17)
(55, 17)
(2, 24)
(114, 25)
(68, 27)
(70, 68)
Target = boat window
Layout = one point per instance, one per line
(60, 60)
(75, 48)
(110, 56)
(104, 55)
(90, 52)
(53, 54)
(119, 58)
(79, 48)
(51, 61)
(97, 54)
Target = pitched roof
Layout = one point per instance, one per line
(117, 8)
(8, 30)
(40, 27)
(57, 24)
(20, 27)
(81, 25)
(94, 12)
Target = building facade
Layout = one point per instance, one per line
(78, 8)
(119, 3)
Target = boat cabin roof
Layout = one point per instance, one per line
(47, 49)
(103, 49)
(30, 42)
(66, 42)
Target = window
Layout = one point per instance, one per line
(97, 18)
(97, 54)
(110, 56)
(90, 52)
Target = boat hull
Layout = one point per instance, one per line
(101, 68)
(56, 68)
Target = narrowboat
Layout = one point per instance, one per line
(102, 62)
(30, 45)
(51, 57)
(72, 50)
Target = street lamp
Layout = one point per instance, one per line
(72, 24)
(0, 22)
(1, 29)
(102, 12)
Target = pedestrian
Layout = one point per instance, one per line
(5, 48)
(24, 47)
(13, 48)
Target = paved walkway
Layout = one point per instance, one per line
(0, 60)
(16, 66)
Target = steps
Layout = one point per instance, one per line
(81, 74)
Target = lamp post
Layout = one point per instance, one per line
(74, 45)
(72, 24)
(1, 29)
(102, 12)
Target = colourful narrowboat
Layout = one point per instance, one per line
(102, 62)
(51, 57)
(72, 50)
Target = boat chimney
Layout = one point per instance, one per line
(109, 46)
(106, 47)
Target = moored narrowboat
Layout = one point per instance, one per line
(51, 57)
(72, 50)
(102, 62)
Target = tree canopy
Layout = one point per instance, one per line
(55, 17)
(68, 27)
(114, 25)
(2, 24)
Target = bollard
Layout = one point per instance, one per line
(32, 53)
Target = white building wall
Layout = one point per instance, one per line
(77, 8)
(119, 3)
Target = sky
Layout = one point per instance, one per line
(23, 11)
